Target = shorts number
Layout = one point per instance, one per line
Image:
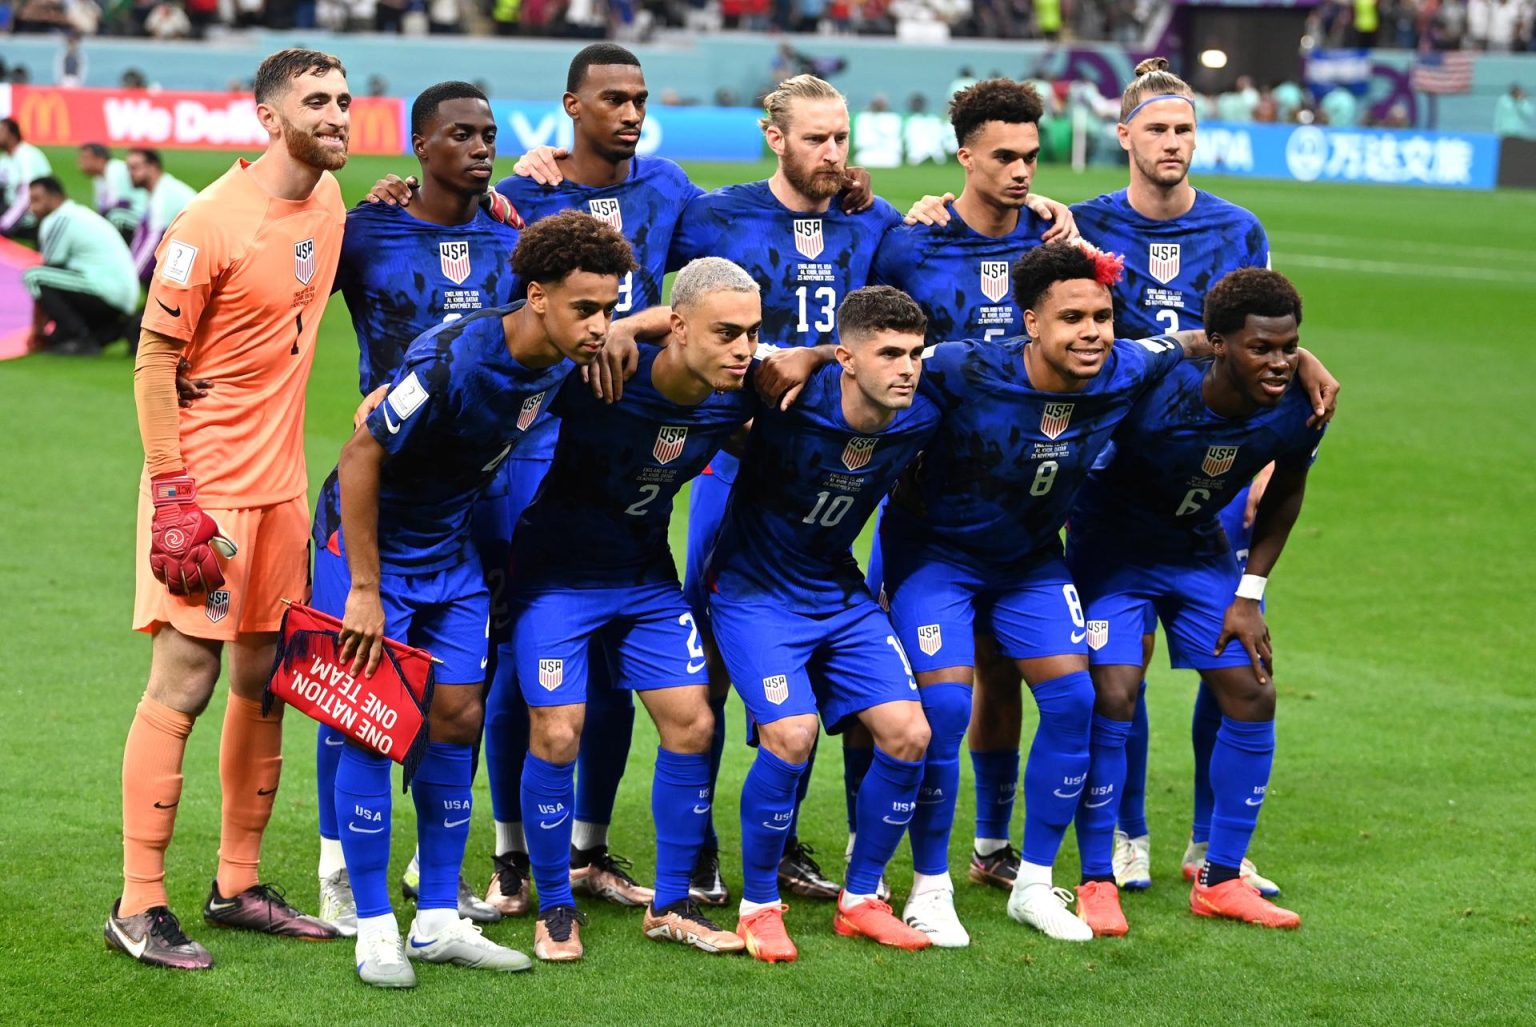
(1045, 477)
(835, 510)
(1194, 499)
(823, 302)
(1074, 605)
(1169, 318)
(695, 650)
(626, 294)
(647, 493)
(901, 655)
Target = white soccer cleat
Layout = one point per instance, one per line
(933, 913)
(1133, 861)
(337, 907)
(381, 961)
(1045, 909)
(1194, 861)
(462, 944)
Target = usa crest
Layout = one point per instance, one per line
(304, 261)
(858, 451)
(551, 674)
(1218, 460)
(1098, 633)
(776, 689)
(808, 237)
(607, 211)
(929, 639)
(1163, 261)
(994, 279)
(669, 443)
(529, 411)
(217, 606)
(454, 257)
(1054, 419)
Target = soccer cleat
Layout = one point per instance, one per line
(1045, 908)
(557, 934)
(999, 869)
(263, 908)
(508, 891)
(602, 875)
(682, 922)
(470, 904)
(1236, 900)
(337, 907)
(154, 937)
(933, 913)
(1133, 861)
(705, 886)
(882, 887)
(765, 936)
(1194, 861)
(874, 920)
(381, 961)
(462, 944)
(1098, 906)
(801, 874)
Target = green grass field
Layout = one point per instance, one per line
(1401, 807)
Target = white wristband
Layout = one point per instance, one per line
(1251, 587)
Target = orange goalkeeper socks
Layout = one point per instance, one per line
(250, 762)
(151, 791)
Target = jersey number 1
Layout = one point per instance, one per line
(822, 302)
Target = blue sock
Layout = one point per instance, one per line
(604, 748)
(887, 802)
(1133, 795)
(1097, 805)
(506, 740)
(680, 801)
(362, 803)
(767, 801)
(1203, 727)
(947, 706)
(1057, 770)
(328, 745)
(997, 783)
(716, 752)
(549, 793)
(1240, 765)
(803, 788)
(856, 763)
(441, 789)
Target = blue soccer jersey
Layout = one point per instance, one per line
(805, 488)
(601, 515)
(400, 276)
(961, 278)
(1169, 265)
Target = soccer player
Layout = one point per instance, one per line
(116, 198)
(21, 164)
(590, 560)
(85, 284)
(801, 634)
(404, 566)
(241, 283)
(168, 196)
(402, 272)
(1146, 534)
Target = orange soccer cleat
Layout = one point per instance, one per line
(1098, 906)
(874, 920)
(1234, 900)
(766, 937)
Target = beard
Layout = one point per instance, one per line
(1166, 178)
(306, 149)
(818, 183)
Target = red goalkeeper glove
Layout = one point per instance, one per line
(500, 208)
(183, 539)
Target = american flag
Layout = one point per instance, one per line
(1447, 71)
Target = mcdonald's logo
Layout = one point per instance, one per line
(375, 126)
(44, 117)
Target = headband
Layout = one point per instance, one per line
(1153, 99)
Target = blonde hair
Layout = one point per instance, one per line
(800, 87)
(1152, 79)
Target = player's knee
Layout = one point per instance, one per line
(909, 740)
(790, 739)
(1116, 690)
(555, 739)
(947, 711)
(1257, 702)
(458, 722)
(689, 731)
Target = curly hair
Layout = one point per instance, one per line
(1152, 79)
(1044, 266)
(879, 308)
(1249, 291)
(996, 99)
(555, 246)
(282, 67)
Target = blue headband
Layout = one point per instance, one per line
(1153, 99)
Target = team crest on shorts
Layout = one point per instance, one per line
(530, 410)
(858, 451)
(217, 606)
(994, 279)
(1055, 418)
(776, 689)
(930, 639)
(1218, 460)
(808, 237)
(607, 211)
(669, 443)
(551, 674)
(1098, 634)
(1163, 261)
(454, 258)
(304, 261)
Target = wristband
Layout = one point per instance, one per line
(172, 489)
(1251, 587)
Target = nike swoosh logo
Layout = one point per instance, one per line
(421, 944)
(222, 905)
(771, 827)
(897, 823)
(173, 311)
(352, 826)
(391, 425)
(335, 743)
(1250, 802)
(455, 823)
(694, 668)
(1078, 636)
(167, 805)
(549, 824)
(1062, 795)
(1096, 805)
(701, 809)
(266, 791)
(135, 948)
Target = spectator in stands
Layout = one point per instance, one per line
(20, 163)
(1267, 110)
(86, 285)
(69, 65)
(1289, 97)
(167, 21)
(377, 86)
(1340, 108)
(1513, 114)
(133, 78)
(964, 80)
(203, 13)
(167, 196)
(1238, 105)
(1504, 17)
(20, 76)
(116, 198)
(1367, 23)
